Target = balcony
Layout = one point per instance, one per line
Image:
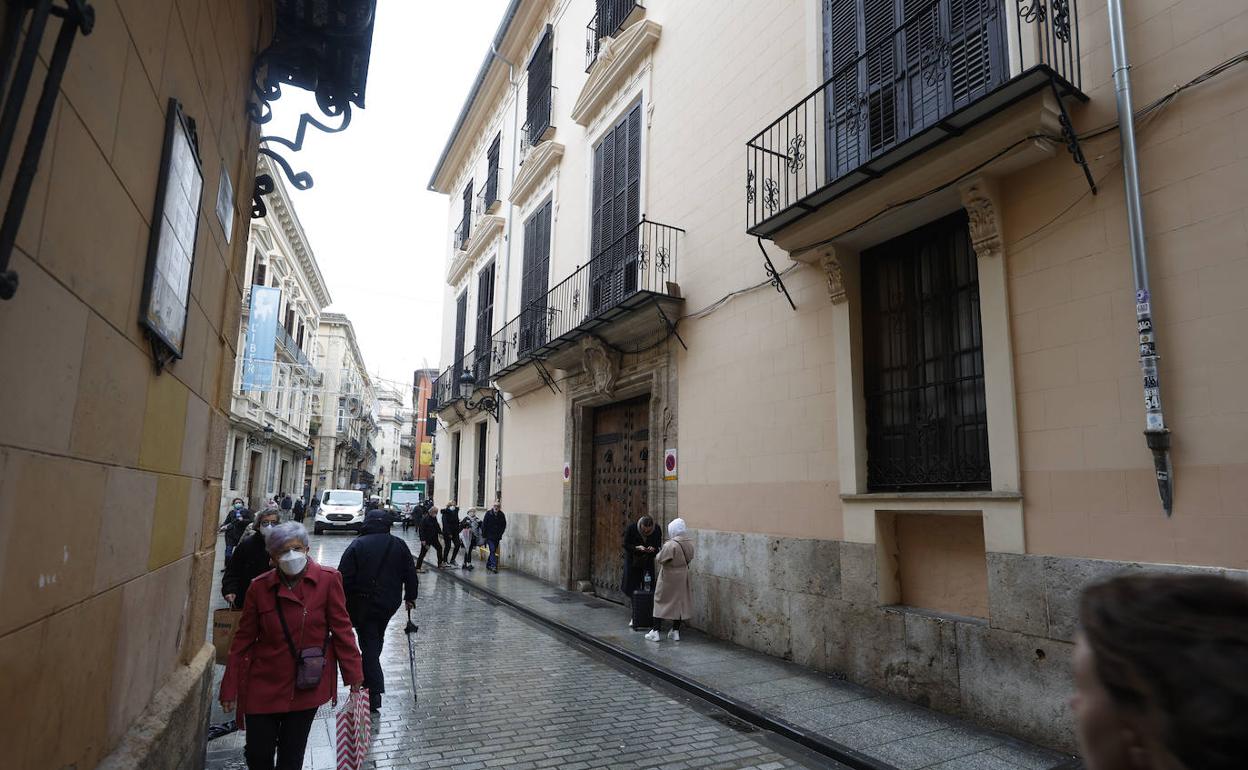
(951, 65)
(607, 296)
(462, 233)
(287, 344)
(612, 16)
(447, 390)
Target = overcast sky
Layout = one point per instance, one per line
(377, 233)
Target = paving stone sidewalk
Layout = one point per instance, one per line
(894, 731)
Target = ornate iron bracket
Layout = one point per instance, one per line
(548, 379)
(671, 326)
(76, 16)
(773, 276)
(1072, 139)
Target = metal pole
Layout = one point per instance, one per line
(1155, 432)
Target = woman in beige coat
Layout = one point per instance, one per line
(673, 598)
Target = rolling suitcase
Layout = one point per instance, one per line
(643, 610)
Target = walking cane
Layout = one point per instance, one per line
(410, 629)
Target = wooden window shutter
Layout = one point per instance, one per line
(540, 81)
(491, 178)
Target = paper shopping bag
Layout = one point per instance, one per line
(355, 731)
(224, 625)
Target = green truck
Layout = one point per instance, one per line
(406, 495)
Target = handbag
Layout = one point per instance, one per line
(354, 731)
(224, 626)
(310, 661)
(358, 601)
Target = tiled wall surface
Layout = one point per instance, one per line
(110, 474)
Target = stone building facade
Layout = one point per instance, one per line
(111, 451)
(394, 437)
(343, 456)
(907, 475)
(422, 437)
(260, 463)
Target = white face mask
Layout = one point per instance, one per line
(292, 562)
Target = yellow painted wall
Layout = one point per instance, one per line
(110, 473)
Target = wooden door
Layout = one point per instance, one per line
(253, 481)
(621, 461)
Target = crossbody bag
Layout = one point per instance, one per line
(310, 661)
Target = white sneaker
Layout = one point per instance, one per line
(653, 636)
(630, 622)
(674, 635)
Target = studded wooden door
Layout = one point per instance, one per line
(621, 462)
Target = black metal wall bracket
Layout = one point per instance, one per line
(1072, 139)
(773, 276)
(76, 16)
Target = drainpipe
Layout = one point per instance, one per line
(511, 182)
(1155, 432)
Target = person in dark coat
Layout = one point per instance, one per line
(642, 541)
(430, 536)
(377, 575)
(298, 510)
(492, 528)
(450, 532)
(249, 561)
(236, 521)
(286, 504)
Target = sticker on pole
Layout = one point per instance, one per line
(669, 465)
(567, 473)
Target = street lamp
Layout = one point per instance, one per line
(489, 402)
(260, 438)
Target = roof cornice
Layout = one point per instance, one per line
(293, 230)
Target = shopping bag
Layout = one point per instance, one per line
(224, 624)
(355, 731)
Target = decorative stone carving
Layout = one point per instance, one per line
(601, 364)
(832, 269)
(979, 200)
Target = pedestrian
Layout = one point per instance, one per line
(250, 559)
(492, 528)
(430, 536)
(469, 537)
(293, 639)
(673, 597)
(286, 505)
(377, 575)
(642, 541)
(1161, 673)
(315, 504)
(298, 511)
(236, 520)
(450, 532)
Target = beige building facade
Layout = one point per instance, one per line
(905, 476)
(270, 431)
(118, 332)
(344, 456)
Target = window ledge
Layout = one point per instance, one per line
(540, 161)
(876, 497)
(944, 617)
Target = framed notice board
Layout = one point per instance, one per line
(175, 227)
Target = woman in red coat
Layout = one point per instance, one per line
(294, 624)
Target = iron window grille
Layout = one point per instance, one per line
(923, 374)
(611, 17)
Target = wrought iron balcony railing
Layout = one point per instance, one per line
(641, 261)
(611, 17)
(462, 232)
(447, 388)
(947, 66)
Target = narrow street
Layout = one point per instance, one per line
(497, 691)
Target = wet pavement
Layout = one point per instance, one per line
(498, 690)
(888, 730)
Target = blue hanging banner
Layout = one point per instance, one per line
(261, 343)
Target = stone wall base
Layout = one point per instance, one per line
(816, 602)
(172, 733)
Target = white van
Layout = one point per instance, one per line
(340, 509)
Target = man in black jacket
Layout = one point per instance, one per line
(249, 561)
(430, 535)
(377, 575)
(450, 532)
(492, 528)
(642, 541)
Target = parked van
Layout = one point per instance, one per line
(340, 509)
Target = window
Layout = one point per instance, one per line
(466, 224)
(257, 273)
(539, 92)
(491, 172)
(236, 459)
(927, 425)
(461, 323)
(535, 280)
(616, 213)
(342, 414)
(455, 446)
(485, 321)
(479, 489)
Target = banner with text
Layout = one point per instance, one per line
(261, 343)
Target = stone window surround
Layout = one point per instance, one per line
(866, 513)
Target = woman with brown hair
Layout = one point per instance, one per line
(1161, 673)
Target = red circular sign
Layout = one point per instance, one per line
(670, 462)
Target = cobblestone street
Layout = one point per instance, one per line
(497, 691)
